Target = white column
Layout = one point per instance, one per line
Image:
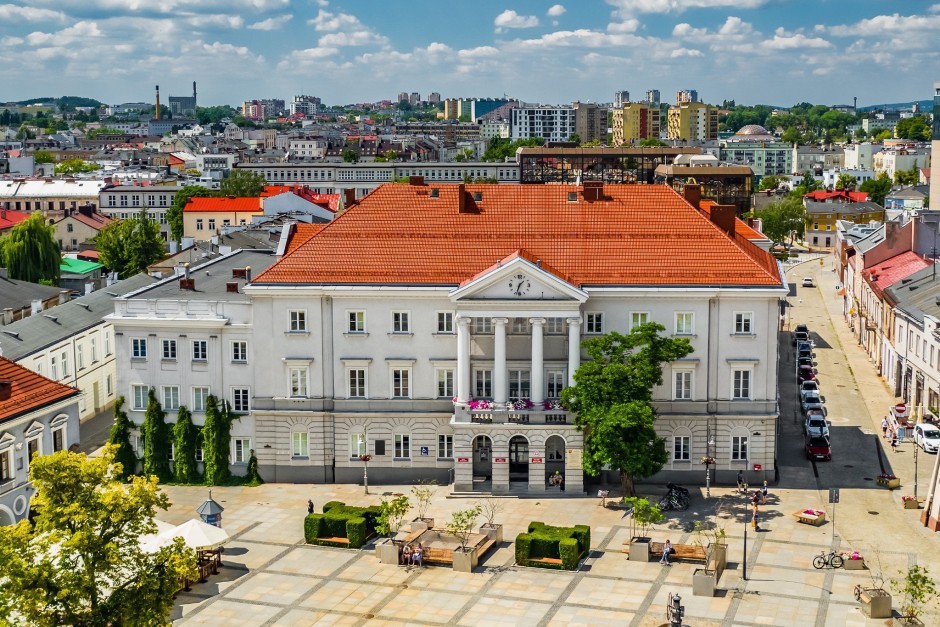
(463, 359)
(537, 394)
(500, 373)
(574, 348)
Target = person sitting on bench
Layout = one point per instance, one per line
(667, 549)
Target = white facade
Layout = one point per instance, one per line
(126, 201)
(858, 156)
(555, 124)
(892, 161)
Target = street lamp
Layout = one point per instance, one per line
(744, 561)
(708, 473)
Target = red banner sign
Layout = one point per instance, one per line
(499, 460)
(758, 467)
(536, 460)
(463, 460)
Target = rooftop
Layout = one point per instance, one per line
(224, 205)
(917, 294)
(211, 279)
(30, 391)
(78, 266)
(843, 208)
(16, 294)
(10, 218)
(890, 271)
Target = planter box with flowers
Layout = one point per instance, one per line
(889, 481)
(854, 561)
(708, 461)
(910, 502)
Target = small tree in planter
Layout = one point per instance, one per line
(917, 588)
(644, 514)
(461, 524)
(490, 507)
(392, 515)
(423, 493)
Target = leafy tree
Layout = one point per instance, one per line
(784, 219)
(404, 105)
(43, 156)
(215, 442)
(461, 524)
(31, 252)
(74, 166)
(877, 188)
(499, 148)
(791, 135)
(643, 514)
(880, 136)
(25, 133)
(129, 246)
(916, 128)
(120, 439)
(846, 181)
(252, 477)
(185, 435)
(156, 440)
(613, 400)
(392, 515)
(574, 137)
(771, 181)
(860, 133)
(174, 214)
(350, 156)
(907, 177)
(242, 184)
(917, 588)
(651, 141)
(97, 574)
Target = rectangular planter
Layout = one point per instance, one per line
(387, 552)
(876, 603)
(891, 484)
(851, 564)
(639, 550)
(464, 562)
(915, 504)
(703, 583)
(494, 532)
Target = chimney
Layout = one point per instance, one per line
(63, 297)
(693, 194)
(232, 286)
(349, 197)
(593, 190)
(6, 390)
(724, 217)
(157, 116)
(247, 274)
(416, 180)
(35, 307)
(186, 270)
(238, 273)
(461, 198)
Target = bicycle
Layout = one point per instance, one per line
(858, 592)
(678, 502)
(832, 560)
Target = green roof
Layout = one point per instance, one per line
(77, 266)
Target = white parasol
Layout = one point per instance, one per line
(152, 542)
(198, 535)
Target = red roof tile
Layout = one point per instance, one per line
(821, 195)
(10, 218)
(327, 201)
(301, 233)
(890, 271)
(636, 235)
(213, 204)
(30, 391)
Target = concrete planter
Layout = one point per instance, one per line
(851, 564)
(420, 524)
(703, 583)
(911, 504)
(494, 532)
(387, 552)
(639, 550)
(465, 561)
(891, 484)
(876, 603)
(717, 559)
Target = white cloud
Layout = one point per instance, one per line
(735, 26)
(329, 22)
(11, 41)
(272, 23)
(556, 10)
(12, 12)
(934, 8)
(686, 52)
(627, 26)
(626, 8)
(511, 19)
(122, 7)
(480, 52)
(77, 33)
(216, 21)
(795, 41)
(352, 38)
(895, 25)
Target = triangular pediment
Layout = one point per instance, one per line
(34, 428)
(518, 277)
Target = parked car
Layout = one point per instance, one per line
(805, 361)
(811, 400)
(807, 386)
(927, 436)
(817, 447)
(808, 282)
(815, 423)
(805, 373)
(804, 347)
(800, 336)
(802, 328)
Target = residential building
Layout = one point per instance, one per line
(753, 145)
(446, 131)
(908, 199)
(621, 98)
(816, 159)
(635, 121)
(692, 121)
(76, 227)
(881, 122)
(10, 218)
(590, 122)
(80, 276)
(858, 156)
(825, 209)
(126, 201)
(831, 176)
(204, 218)
(305, 106)
(494, 128)
(298, 200)
(450, 109)
(687, 95)
(724, 184)
(49, 194)
(891, 161)
(554, 124)
(313, 147)
(434, 98)
(627, 164)
(652, 97)
(402, 96)
(20, 299)
(37, 417)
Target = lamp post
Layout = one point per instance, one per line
(744, 561)
(708, 468)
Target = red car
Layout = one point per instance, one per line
(817, 447)
(805, 373)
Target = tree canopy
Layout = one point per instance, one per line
(120, 439)
(877, 188)
(613, 399)
(156, 439)
(499, 148)
(846, 181)
(783, 219)
(30, 251)
(129, 246)
(916, 128)
(75, 166)
(242, 184)
(80, 562)
(907, 177)
(174, 214)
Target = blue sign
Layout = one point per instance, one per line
(424, 451)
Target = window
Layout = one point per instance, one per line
(445, 383)
(199, 225)
(356, 377)
(357, 444)
(69, 227)
(683, 385)
(637, 318)
(170, 453)
(520, 325)
(54, 367)
(401, 382)
(94, 350)
(298, 444)
(445, 322)
(240, 351)
(483, 325)
(741, 387)
(138, 348)
(445, 446)
(483, 383)
(685, 323)
(6, 466)
(200, 394)
(518, 384)
(739, 448)
(171, 397)
(200, 350)
(65, 364)
(357, 322)
(169, 349)
(298, 382)
(555, 449)
(240, 403)
(199, 454)
(242, 450)
(58, 439)
(681, 448)
(402, 445)
(297, 320)
(554, 383)
(33, 448)
(109, 385)
(211, 224)
(555, 326)
(595, 323)
(139, 394)
(79, 356)
(107, 344)
(742, 322)
(401, 322)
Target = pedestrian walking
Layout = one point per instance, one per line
(309, 506)
(741, 487)
(667, 549)
(763, 491)
(894, 441)
(755, 500)
(884, 427)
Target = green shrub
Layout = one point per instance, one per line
(583, 534)
(312, 528)
(332, 504)
(334, 526)
(522, 548)
(543, 545)
(535, 525)
(356, 532)
(570, 553)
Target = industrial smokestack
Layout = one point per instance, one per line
(194, 94)
(158, 102)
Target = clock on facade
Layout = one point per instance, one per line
(519, 284)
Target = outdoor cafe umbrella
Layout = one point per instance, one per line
(152, 542)
(198, 535)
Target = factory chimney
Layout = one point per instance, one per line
(158, 103)
(194, 97)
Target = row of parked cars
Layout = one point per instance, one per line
(812, 403)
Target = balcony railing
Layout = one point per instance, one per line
(513, 416)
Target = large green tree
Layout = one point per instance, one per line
(784, 219)
(916, 128)
(129, 246)
(74, 166)
(242, 184)
(120, 438)
(31, 252)
(174, 214)
(846, 181)
(613, 401)
(185, 435)
(156, 440)
(877, 188)
(216, 440)
(907, 177)
(80, 561)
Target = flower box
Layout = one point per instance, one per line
(892, 483)
(850, 564)
(911, 504)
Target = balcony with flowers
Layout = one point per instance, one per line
(519, 411)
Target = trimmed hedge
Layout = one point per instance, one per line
(569, 544)
(356, 524)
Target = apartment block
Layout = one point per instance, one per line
(635, 121)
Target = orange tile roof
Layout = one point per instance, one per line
(301, 233)
(741, 226)
(327, 201)
(890, 271)
(821, 195)
(229, 205)
(30, 391)
(636, 235)
(10, 218)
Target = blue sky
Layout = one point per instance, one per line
(753, 51)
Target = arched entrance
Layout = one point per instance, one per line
(482, 461)
(554, 455)
(519, 459)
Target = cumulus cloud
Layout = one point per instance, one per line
(895, 25)
(12, 12)
(329, 22)
(556, 10)
(796, 41)
(686, 52)
(626, 26)
(510, 19)
(633, 7)
(78, 32)
(352, 38)
(272, 23)
(216, 21)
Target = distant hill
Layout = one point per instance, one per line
(64, 103)
(925, 105)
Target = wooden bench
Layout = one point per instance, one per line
(439, 556)
(810, 519)
(546, 560)
(336, 540)
(685, 552)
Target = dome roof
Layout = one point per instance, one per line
(753, 129)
